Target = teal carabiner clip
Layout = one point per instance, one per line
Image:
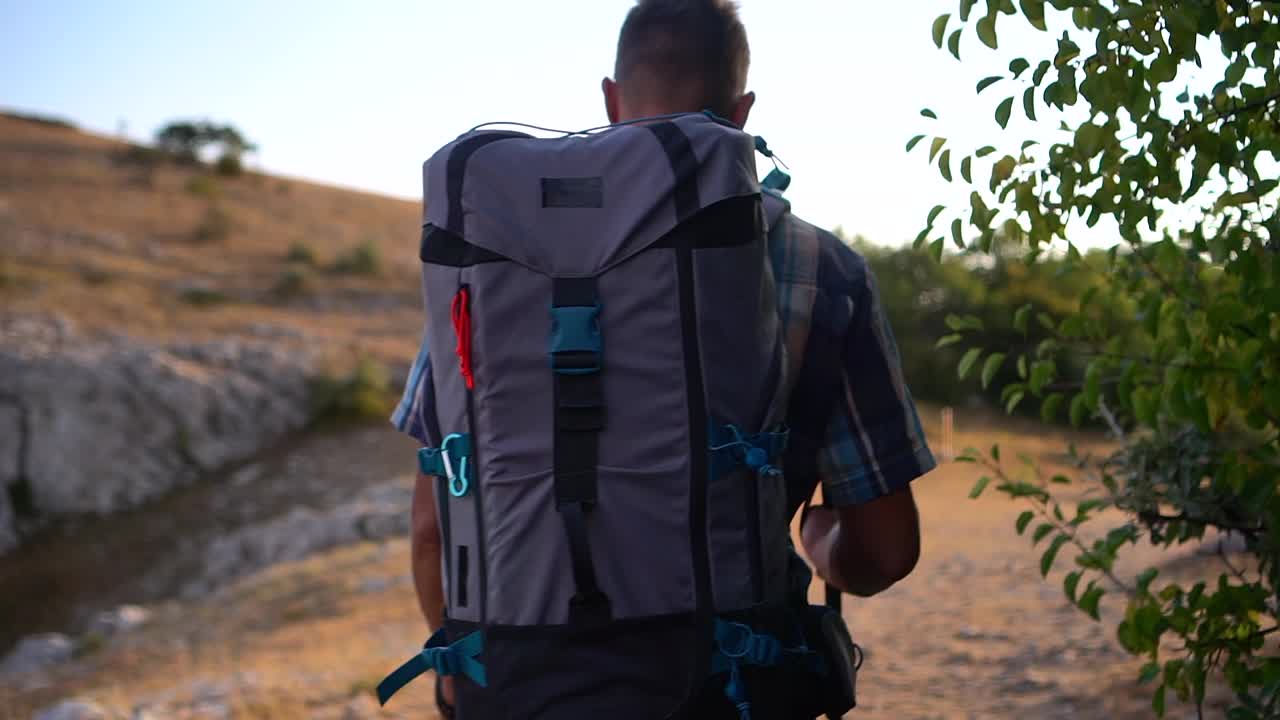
(458, 483)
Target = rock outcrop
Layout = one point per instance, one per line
(36, 653)
(74, 710)
(378, 513)
(96, 427)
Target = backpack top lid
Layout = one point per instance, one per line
(575, 206)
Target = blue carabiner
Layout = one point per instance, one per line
(458, 484)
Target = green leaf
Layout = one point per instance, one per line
(935, 146)
(944, 165)
(984, 151)
(1023, 520)
(1018, 66)
(926, 112)
(935, 249)
(911, 144)
(935, 212)
(979, 486)
(949, 340)
(1039, 74)
(991, 367)
(920, 238)
(1069, 584)
(987, 31)
(1157, 701)
(953, 44)
(1051, 406)
(1021, 317)
(1029, 103)
(967, 362)
(1089, 602)
(1079, 409)
(964, 322)
(940, 28)
(987, 82)
(995, 452)
(956, 236)
(1046, 560)
(966, 169)
(1042, 531)
(1003, 110)
(1014, 399)
(1144, 579)
(965, 7)
(1033, 10)
(1148, 672)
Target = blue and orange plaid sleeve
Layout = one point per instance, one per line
(415, 414)
(854, 424)
(874, 444)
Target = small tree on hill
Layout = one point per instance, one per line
(1187, 176)
(187, 141)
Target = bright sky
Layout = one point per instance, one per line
(359, 94)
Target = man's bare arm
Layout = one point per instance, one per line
(425, 552)
(864, 549)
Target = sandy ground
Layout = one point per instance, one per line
(974, 632)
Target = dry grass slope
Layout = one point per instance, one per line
(156, 250)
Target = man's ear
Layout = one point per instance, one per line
(610, 89)
(742, 109)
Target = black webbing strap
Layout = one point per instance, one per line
(576, 361)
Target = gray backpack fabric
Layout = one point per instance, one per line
(607, 371)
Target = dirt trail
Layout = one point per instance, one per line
(973, 633)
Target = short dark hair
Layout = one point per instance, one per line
(697, 46)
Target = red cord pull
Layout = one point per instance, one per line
(462, 328)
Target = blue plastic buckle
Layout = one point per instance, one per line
(576, 346)
(777, 181)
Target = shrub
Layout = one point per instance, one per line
(1175, 154)
(203, 297)
(92, 275)
(215, 226)
(89, 644)
(291, 283)
(229, 165)
(364, 259)
(362, 394)
(203, 186)
(301, 253)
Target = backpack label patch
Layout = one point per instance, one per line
(573, 192)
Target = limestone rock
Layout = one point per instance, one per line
(35, 653)
(379, 513)
(123, 619)
(74, 710)
(104, 426)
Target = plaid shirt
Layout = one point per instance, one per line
(853, 422)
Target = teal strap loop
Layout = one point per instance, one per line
(451, 461)
(458, 658)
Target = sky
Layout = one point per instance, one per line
(360, 94)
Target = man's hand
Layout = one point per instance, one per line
(864, 549)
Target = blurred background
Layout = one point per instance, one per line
(209, 302)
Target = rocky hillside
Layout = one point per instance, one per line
(159, 321)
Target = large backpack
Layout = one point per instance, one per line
(606, 374)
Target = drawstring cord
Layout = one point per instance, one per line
(461, 312)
